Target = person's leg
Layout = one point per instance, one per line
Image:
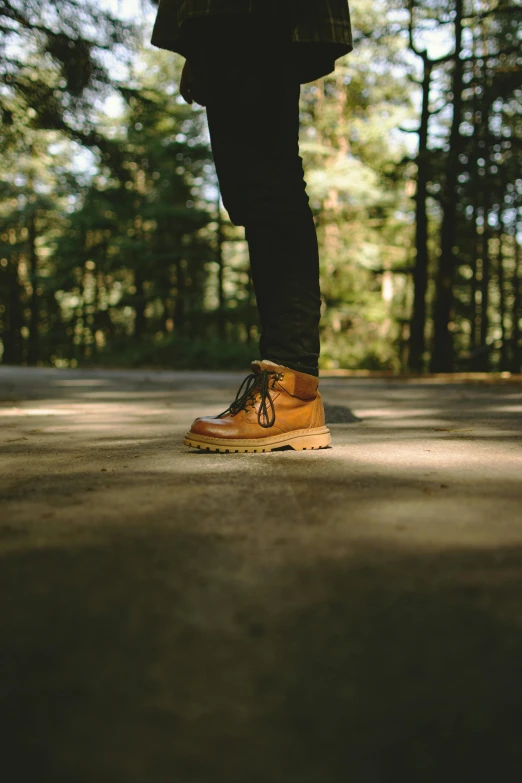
(252, 97)
(252, 92)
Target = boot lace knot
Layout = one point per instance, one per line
(257, 385)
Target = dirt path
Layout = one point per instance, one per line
(176, 617)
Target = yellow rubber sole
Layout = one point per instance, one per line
(298, 440)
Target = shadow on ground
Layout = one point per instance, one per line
(153, 656)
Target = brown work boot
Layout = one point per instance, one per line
(274, 407)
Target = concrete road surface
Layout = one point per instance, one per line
(351, 615)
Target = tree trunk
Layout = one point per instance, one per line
(140, 321)
(484, 284)
(473, 314)
(179, 307)
(139, 306)
(420, 272)
(14, 319)
(516, 352)
(502, 295)
(442, 356)
(221, 272)
(32, 343)
(473, 161)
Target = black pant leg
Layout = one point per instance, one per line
(253, 90)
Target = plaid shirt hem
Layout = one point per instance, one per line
(316, 21)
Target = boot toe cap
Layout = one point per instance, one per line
(210, 426)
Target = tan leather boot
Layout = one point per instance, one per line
(274, 407)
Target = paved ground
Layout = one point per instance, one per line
(176, 617)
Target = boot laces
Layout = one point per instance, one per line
(256, 385)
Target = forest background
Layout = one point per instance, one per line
(116, 250)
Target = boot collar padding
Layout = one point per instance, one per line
(297, 384)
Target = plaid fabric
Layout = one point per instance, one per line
(313, 21)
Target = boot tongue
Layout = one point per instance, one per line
(295, 383)
(285, 379)
(259, 366)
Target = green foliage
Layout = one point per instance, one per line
(55, 60)
(114, 249)
(176, 353)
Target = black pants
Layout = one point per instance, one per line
(251, 89)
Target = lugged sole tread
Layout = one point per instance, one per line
(312, 439)
(249, 450)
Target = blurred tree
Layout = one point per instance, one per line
(360, 199)
(140, 221)
(499, 48)
(123, 253)
(458, 135)
(55, 63)
(422, 18)
(33, 193)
